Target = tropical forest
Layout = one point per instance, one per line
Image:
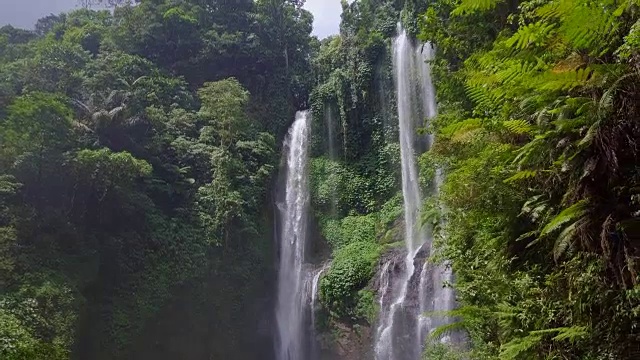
(208, 180)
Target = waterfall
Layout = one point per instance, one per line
(314, 292)
(406, 293)
(292, 301)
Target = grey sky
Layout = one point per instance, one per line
(326, 15)
(24, 13)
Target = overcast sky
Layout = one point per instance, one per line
(24, 13)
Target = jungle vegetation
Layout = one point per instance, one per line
(140, 146)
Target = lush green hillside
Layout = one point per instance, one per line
(136, 156)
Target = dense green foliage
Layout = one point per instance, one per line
(137, 149)
(351, 270)
(537, 131)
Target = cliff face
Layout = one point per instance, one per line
(347, 342)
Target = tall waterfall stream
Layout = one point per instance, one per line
(413, 287)
(292, 303)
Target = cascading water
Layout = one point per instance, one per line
(406, 293)
(315, 281)
(292, 302)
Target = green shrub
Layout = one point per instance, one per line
(367, 306)
(350, 230)
(350, 272)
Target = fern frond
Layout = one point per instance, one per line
(460, 131)
(564, 240)
(484, 96)
(565, 80)
(584, 25)
(521, 175)
(569, 214)
(589, 136)
(571, 333)
(536, 34)
(588, 25)
(518, 127)
(464, 312)
(514, 348)
(605, 105)
(440, 331)
(471, 6)
(536, 208)
(555, 9)
(569, 125)
(534, 149)
(516, 71)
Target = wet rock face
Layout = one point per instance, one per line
(347, 342)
